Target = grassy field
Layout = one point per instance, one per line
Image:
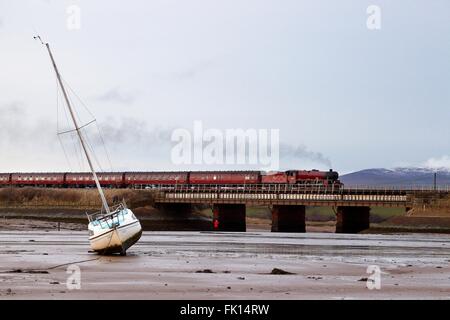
(69, 198)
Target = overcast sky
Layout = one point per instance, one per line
(342, 96)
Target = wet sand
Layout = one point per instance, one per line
(207, 265)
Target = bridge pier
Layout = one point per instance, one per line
(288, 218)
(229, 217)
(352, 219)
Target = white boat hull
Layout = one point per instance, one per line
(117, 239)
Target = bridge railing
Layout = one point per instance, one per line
(407, 188)
(294, 188)
(266, 193)
(243, 188)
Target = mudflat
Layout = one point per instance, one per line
(213, 265)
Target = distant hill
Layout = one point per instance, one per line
(397, 177)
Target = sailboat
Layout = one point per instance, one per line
(113, 229)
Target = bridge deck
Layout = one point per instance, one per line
(283, 194)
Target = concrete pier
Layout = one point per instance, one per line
(352, 219)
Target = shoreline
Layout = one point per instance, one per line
(19, 222)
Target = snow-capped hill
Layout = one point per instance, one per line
(405, 176)
(421, 169)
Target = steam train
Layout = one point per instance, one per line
(306, 178)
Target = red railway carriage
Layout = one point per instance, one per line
(225, 177)
(153, 178)
(5, 179)
(278, 177)
(37, 179)
(307, 178)
(107, 179)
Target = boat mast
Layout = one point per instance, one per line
(77, 129)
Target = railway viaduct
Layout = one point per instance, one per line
(351, 205)
(286, 201)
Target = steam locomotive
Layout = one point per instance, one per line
(306, 178)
